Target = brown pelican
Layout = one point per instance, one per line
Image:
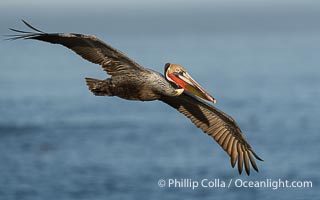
(131, 81)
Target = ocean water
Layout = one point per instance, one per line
(58, 141)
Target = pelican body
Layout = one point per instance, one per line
(176, 87)
(145, 85)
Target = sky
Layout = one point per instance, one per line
(162, 5)
(160, 16)
(162, 2)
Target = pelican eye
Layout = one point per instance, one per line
(178, 72)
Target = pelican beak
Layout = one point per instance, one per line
(184, 80)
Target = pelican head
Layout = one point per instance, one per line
(179, 76)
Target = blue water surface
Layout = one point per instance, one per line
(58, 141)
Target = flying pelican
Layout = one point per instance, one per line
(177, 88)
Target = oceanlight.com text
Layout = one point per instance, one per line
(273, 184)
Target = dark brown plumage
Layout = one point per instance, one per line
(220, 126)
(131, 81)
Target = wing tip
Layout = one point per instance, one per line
(24, 34)
(240, 162)
(31, 27)
(258, 158)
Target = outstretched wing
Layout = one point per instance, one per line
(220, 126)
(88, 47)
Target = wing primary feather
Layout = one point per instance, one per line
(253, 163)
(246, 160)
(218, 135)
(230, 144)
(14, 37)
(223, 137)
(19, 31)
(225, 142)
(256, 156)
(240, 158)
(234, 155)
(30, 26)
(214, 130)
